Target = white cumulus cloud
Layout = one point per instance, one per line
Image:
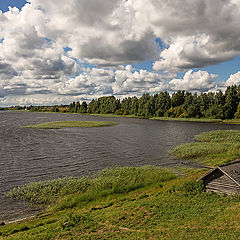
(43, 47)
(195, 81)
(234, 79)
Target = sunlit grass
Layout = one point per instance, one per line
(207, 120)
(71, 124)
(136, 203)
(220, 136)
(232, 121)
(213, 148)
(114, 115)
(106, 182)
(187, 119)
(131, 203)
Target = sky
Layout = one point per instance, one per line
(59, 51)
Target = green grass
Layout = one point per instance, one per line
(187, 119)
(114, 115)
(232, 121)
(207, 120)
(131, 203)
(212, 148)
(106, 182)
(220, 136)
(71, 124)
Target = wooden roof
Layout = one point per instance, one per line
(232, 170)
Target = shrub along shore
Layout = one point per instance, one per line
(136, 202)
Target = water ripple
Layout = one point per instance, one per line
(28, 155)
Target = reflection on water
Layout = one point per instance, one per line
(39, 154)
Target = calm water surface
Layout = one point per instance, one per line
(28, 155)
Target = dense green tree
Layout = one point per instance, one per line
(83, 107)
(178, 98)
(162, 103)
(231, 102)
(134, 106)
(93, 107)
(181, 104)
(126, 105)
(143, 105)
(77, 107)
(237, 113)
(55, 109)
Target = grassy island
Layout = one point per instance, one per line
(71, 124)
(211, 148)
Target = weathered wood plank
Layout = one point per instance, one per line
(220, 190)
(223, 185)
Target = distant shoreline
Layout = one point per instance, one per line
(202, 120)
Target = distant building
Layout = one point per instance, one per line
(223, 179)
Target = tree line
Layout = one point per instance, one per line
(181, 104)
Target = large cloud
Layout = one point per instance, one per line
(198, 33)
(42, 46)
(234, 79)
(122, 82)
(195, 81)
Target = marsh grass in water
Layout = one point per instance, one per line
(71, 124)
(212, 148)
(106, 182)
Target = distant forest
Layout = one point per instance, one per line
(181, 104)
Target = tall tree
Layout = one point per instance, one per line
(231, 102)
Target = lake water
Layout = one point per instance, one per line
(28, 155)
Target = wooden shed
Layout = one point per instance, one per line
(223, 179)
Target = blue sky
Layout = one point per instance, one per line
(4, 4)
(223, 69)
(86, 49)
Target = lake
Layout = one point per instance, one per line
(28, 155)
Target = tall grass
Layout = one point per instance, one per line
(220, 136)
(178, 209)
(213, 148)
(106, 182)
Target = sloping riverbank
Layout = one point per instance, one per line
(134, 202)
(129, 203)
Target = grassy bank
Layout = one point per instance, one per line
(112, 115)
(232, 121)
(128, 203)
(188, 119)
(136, 203)
(71, 124)
(207, 120)
(212, 148)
